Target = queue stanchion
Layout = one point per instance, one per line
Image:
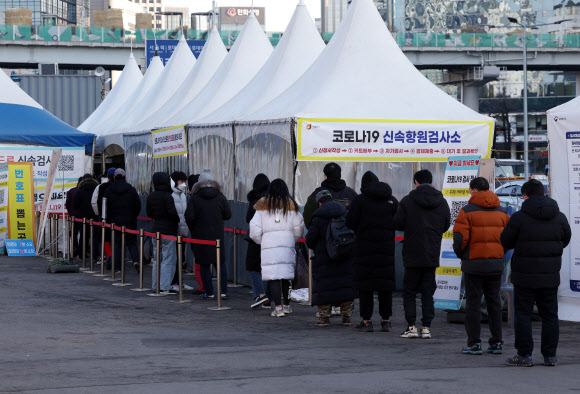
(84, 249)
(102, 274)
(44, 241)
(72, 236)
(122, 283)
(56, 237)
(219, 283)
(157, 267)
(112, 278)
(309, 302)
(91, 248)
(235, 284)
(141, 242)
(180, 272)
(50, 250)
(67, 237)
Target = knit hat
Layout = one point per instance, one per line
(332, 170)
(205, 175)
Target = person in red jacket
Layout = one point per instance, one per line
(476, 241)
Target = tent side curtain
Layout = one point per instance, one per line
(170, 164)
(279, 127)
(139, 161)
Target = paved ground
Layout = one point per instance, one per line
(74, 333)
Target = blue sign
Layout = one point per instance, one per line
(165, 49)
(20, 247)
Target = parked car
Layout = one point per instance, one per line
(510, 193)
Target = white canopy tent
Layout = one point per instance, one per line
(564, 146)
(123, 89)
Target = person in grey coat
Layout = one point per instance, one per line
(180, 198)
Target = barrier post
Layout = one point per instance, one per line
(141, 237)
(56, 236)
(102, 274)
(84, 259)
(157, 267)
(122, 260)
(219, 283)
(68, 238)
(235, 284)
(112, 278)
(50, 250)
(44, 241)
(91, 248)
(309, 302)
(180, 272)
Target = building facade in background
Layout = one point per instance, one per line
(49, 12)
(331, 14)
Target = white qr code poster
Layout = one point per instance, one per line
(459, 172)
(70, 166)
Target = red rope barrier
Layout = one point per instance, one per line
(169, 237)
(107, 225)
(228, 230)
(97, 224)
(149, 234)
(78, 220)
(129, 231)
(144, 218)
(199, 241)
(117, 228)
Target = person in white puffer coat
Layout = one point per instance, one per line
(179, 195)
(277, 225)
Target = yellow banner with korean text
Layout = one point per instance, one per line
(21, 219)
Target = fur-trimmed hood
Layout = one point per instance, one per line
(207, 189)
(262, 205)
(88, 181)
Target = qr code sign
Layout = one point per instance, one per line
(1, 196)
(66, 163)
(455, 208)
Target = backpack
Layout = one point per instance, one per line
(339, 239)
(342, 199)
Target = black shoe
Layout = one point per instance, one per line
(368, 327)
(473, 349)
(495, 348)
(198, 292)
(550, 361)
(259, 301)
(520, 361)
(385, 326)
(137, 267)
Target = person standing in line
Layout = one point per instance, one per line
(335, 185)
(122, 208)
(253, 260)
(70, 195)
(476, 241)
(207, 209)
(538, 233)
(424, 216)
(82, 206)
(180, 198)
(97, 204)
(332, 279)
(276, 226)
(191, 181)
(161, 208)
(371, 216)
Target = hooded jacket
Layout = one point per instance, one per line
(371, 217)
(332, 280)
(277, 234)
(337, 187)
(123, 204)
(180, 200)
(207, 209)
(476, 234)
(538, 233)
(424, 216)
(161, 206)
(260, 189)
(82, 199)
(70, 196)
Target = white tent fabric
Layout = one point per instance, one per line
(123, 89)
(564, 165)
(363, 74)
(299, 47)
(10, 93)
(248, 54)
(212, 55)
(108, 128)
(178, 67)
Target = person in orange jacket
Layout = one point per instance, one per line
(476, 241)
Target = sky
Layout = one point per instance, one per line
(278, 12)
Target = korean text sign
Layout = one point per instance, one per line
(21, 220)
(169, 142)
(391, 140)
(70, 164)
(20, 247)
(3, 204)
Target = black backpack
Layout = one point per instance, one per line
(339, 239)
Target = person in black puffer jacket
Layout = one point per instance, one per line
(371, 217)
(336, 186)
(332, 280)
(82, 205)
(538, 233)
(253, 255)
(424, 216)
(207, 209)
(161, 208)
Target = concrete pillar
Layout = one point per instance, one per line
(471, 96)
(514, 148)
(577, 84)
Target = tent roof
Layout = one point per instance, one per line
(363, 74)
(24, 121)
(125, 86)
(248, 54)
(569, 106)
(212, 55)
(299, 47)
(178, 67)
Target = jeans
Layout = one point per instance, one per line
(206, 278)
(419, 280)
(257, 284)
(367, 304)
(76, 232)
(280, 289)
(168, 257)
(130, 243)
(547, 302)
(475, 287)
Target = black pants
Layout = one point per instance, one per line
(475, 287)
(547, 302)
(280, 289)
(76, 232)
(175, 280)
(367, 304)
(130, 243)
(419, 280)
(206, 278)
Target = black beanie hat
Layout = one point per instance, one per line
(332, 170)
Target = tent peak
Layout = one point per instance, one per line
(182, 38)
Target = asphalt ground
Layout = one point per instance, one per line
(75, 333)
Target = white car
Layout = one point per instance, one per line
(510, 193)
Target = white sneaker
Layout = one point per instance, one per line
(278, 313)
(410, 332)
(335, 311)
(287, 309)
(187, 287)
(425, 333)
(174, 287)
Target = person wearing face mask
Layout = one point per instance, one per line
(180, 198)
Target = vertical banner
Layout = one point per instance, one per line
(3, 205)
(21, 223)
(573, 152)
(459, 172)
(51, 174)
